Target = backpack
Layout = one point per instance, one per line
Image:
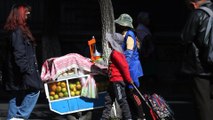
(160, 107)
(208, 39)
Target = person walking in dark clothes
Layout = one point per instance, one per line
(118, 71)
(147, 47)
(20, 74)
(193, 61)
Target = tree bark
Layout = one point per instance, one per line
(107, 19)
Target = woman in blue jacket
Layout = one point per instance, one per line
(125, 27)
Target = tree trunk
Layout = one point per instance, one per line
(107, 19)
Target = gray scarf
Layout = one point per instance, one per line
(116, 41)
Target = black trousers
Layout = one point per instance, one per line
(135, 103)
(116, 90)
(203, 94)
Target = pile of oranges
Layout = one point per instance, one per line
(75, 87)
(58, 90)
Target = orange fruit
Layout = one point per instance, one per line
(77, 93)
(63, 84)
(74, 89)
(58, 83)
(72, 93)
(78, 82)
(56, 96)
(64, 89)
(71, 86)
(66, 94)
(58, 89)
(78, 86)
(52, 93)
(61, 94)
(51, 98)
(53, 87)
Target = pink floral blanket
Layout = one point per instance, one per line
(53, 67)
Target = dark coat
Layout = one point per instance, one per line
(21, 69)
(193, 40)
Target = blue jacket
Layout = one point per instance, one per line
(132, 57)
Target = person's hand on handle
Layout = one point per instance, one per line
(132, 82)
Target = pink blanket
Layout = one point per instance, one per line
(53, 67)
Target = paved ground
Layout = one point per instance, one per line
(183, 111)
(42, 112)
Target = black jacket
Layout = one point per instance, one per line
(20, 67)
(192, 39)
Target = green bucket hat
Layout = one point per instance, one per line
(124, 20)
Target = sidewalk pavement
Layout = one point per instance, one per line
(183, 110)
(40, 112)
(43, 112)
